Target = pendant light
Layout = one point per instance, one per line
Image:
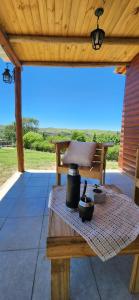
(98, 35)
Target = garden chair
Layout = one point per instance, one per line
(97, 170)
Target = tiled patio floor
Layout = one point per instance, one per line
(24, 270)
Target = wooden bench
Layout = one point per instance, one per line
(64, 243)
(97, 170)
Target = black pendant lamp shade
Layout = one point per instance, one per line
(98, 35)
(7, 77)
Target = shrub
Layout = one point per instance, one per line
(30, 137)
(78, 136)
(43, 146)
(113, 153)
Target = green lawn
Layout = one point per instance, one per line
(111, 164)
(33, 160)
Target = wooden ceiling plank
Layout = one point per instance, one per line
(81, 13)
(73, 17)
(58, 22)
(32, 50)
(43, 16)
(28, 16)
(8, 49)
(73, 22)
(51, 20)
(7, 13)
(79, 53)
(36, 16)
(65, 18)
(112, 13)
(88, 18)
(18, 8)
(50, 16)
(127, 20)
(29, 20)
(40, 14)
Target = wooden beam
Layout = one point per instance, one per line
(18, 117)
(75, 64)
(8, 49)
(109, 40)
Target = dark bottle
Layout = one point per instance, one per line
(73, 186)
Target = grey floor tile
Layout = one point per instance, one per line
(44, 233)
(83, 285)
(28, 207)
(1, 222)
(30, 192)
(16, 274)
(42, 286)
(38, 181)
(124, 182)
(6, 205)
(124, 263)
(15, 191)
(113, 282)
(20, 233)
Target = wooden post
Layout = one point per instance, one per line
(58, 176)
(18, 117)
(60, 279)
(134, 280)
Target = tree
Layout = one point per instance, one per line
(78, 136)
(30, 124)
(10, 133)
(94, 137)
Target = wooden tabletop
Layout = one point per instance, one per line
(64, 242)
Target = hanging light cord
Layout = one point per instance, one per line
(97, 22)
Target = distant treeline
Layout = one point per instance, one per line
(41, 139)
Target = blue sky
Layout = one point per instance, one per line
(67, 97)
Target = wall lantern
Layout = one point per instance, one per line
(7, 77)
(98, 35)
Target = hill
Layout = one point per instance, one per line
(66, 131)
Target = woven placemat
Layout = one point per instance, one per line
(115, 223)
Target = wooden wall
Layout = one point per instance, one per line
(130, 119)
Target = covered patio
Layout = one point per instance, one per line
(24, 269)
(57, 33)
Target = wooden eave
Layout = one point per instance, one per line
(46, 32)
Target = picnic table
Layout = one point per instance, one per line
(64, 243)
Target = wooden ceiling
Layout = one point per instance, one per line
(29, 23)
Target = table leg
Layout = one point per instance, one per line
(60, 279)
(134, 280)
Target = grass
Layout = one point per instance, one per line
(33, 160)
(112, 164)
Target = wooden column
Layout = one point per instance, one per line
(134, 280)
(60, 279)
(18, 117)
